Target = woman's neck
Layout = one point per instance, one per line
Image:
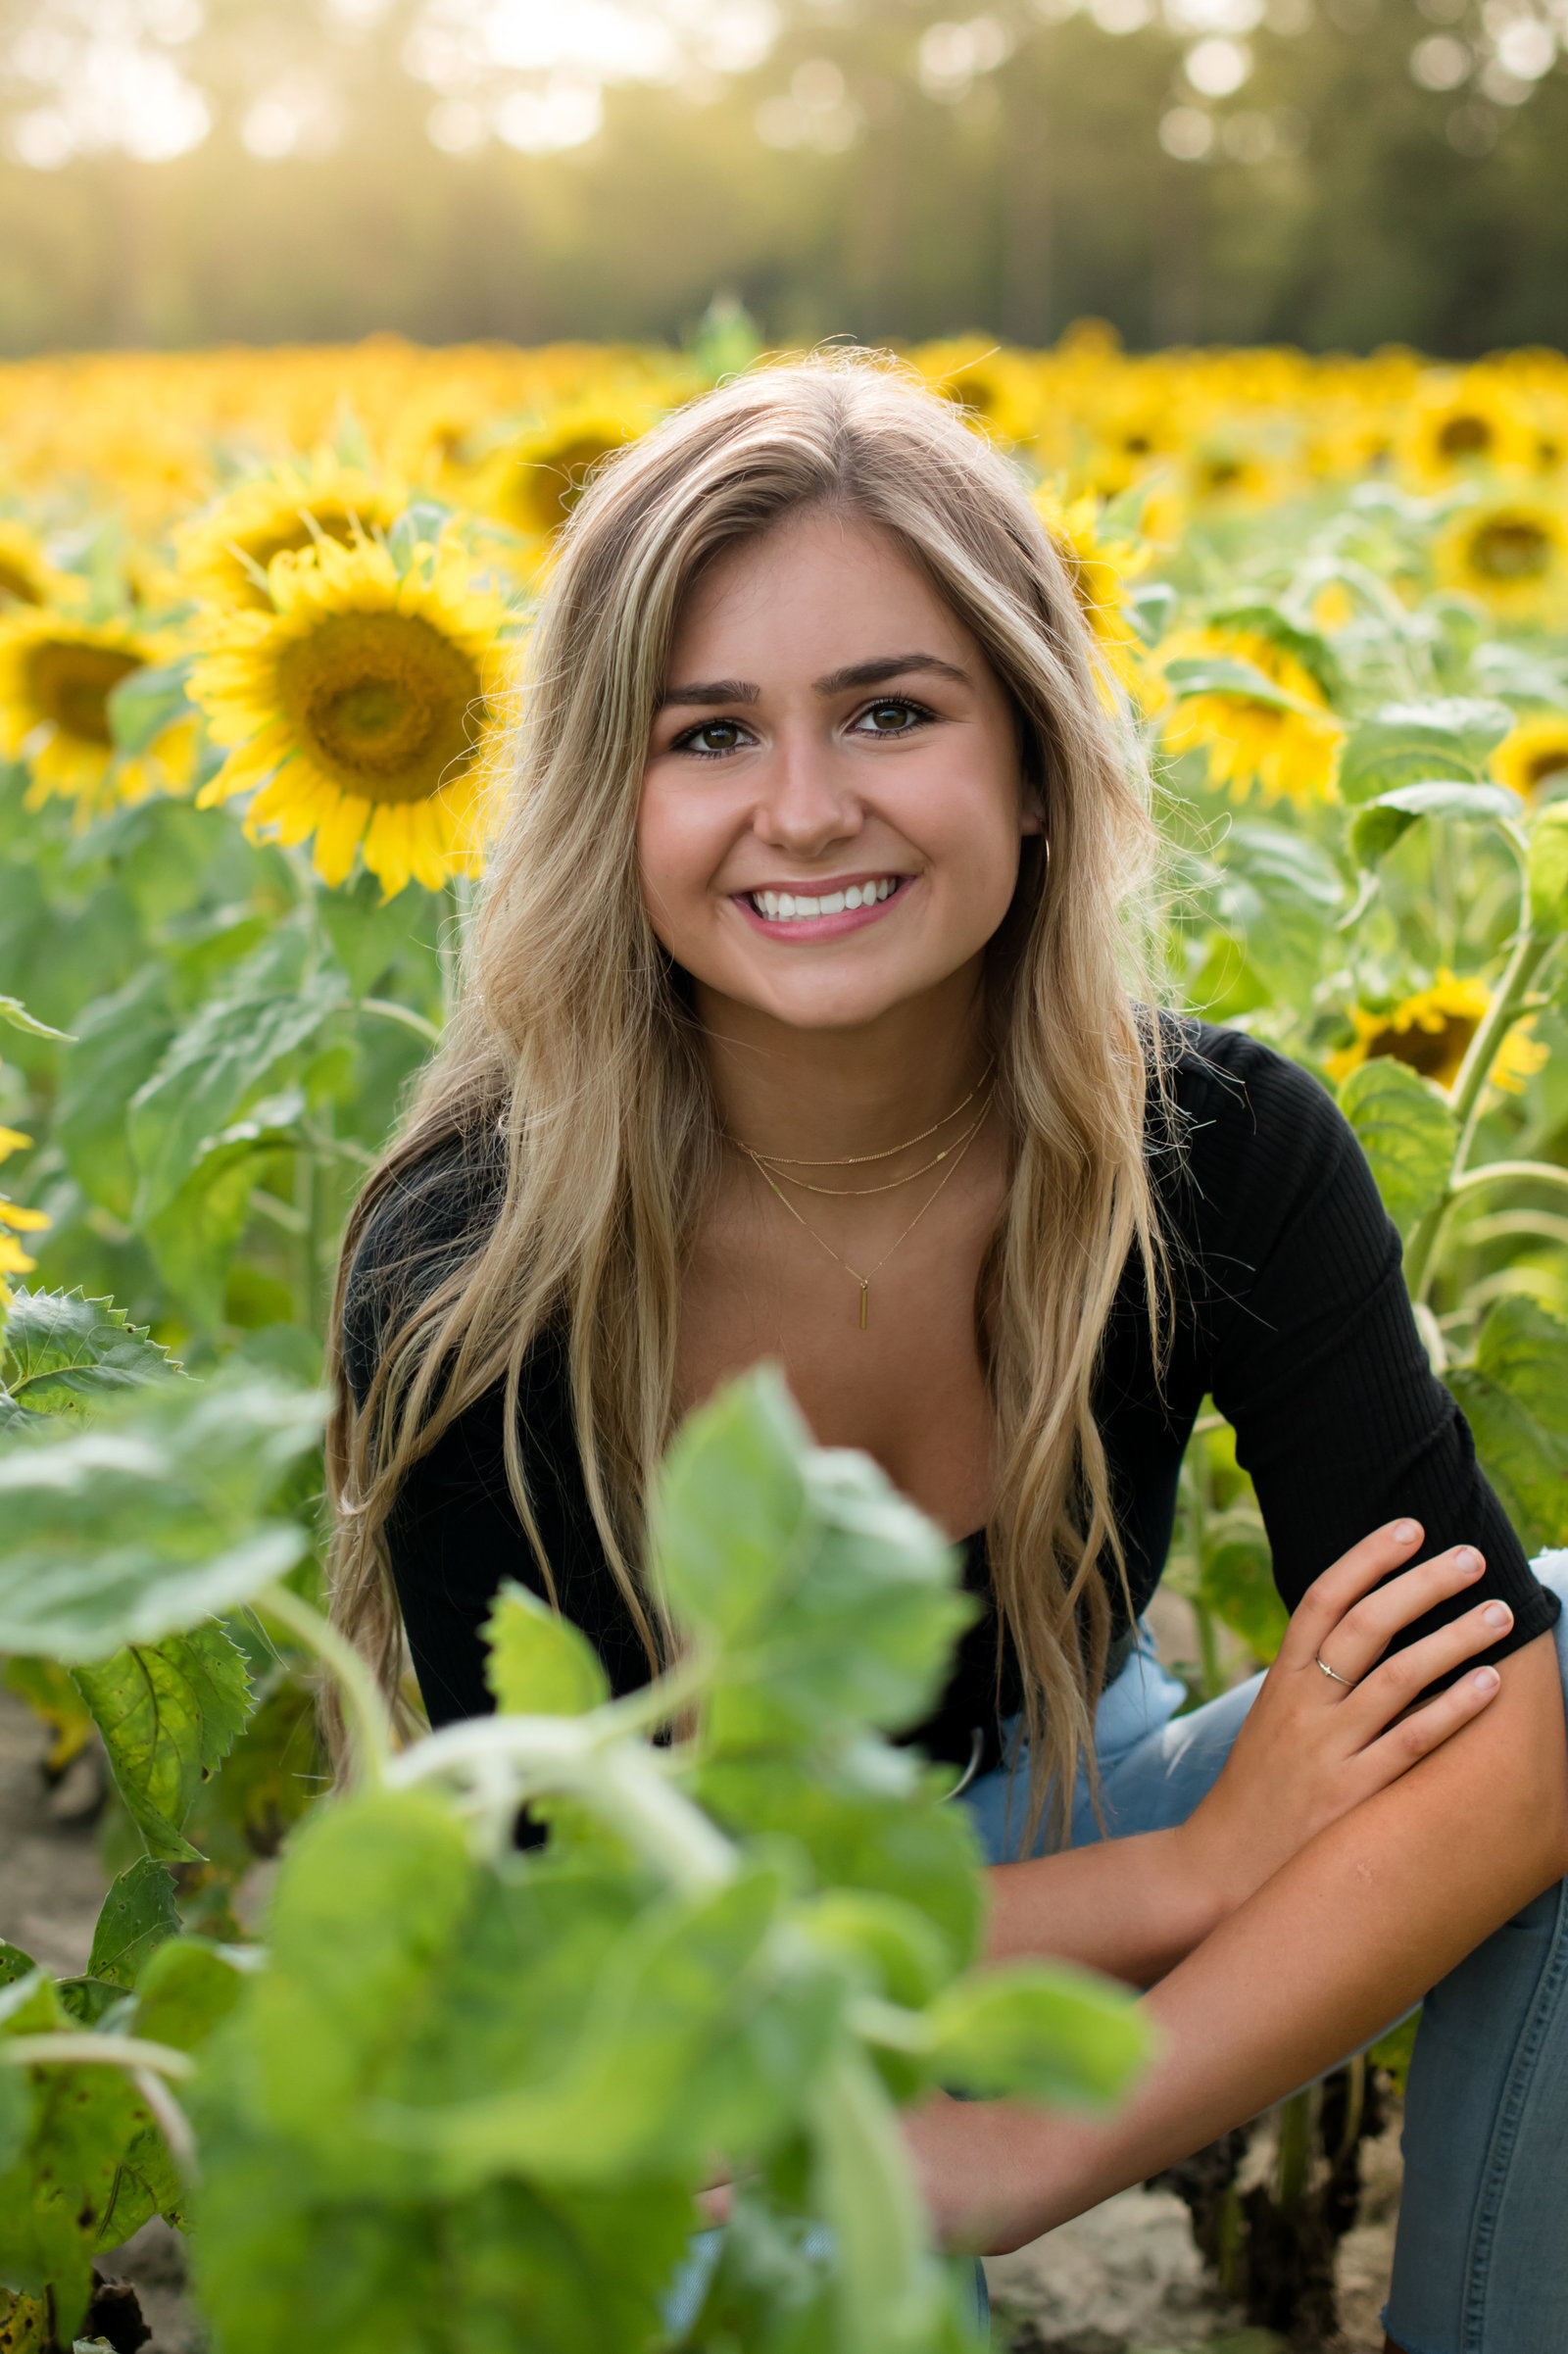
(823, 1094)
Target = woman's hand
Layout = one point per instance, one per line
(1315, 1744)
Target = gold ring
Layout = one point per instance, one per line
(1349, 1682)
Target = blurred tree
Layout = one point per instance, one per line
(1328, 171)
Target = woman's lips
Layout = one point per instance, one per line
(813, 928)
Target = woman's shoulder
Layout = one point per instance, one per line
(429, 1214)
(1243, 1133)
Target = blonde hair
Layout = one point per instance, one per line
(571, 1057)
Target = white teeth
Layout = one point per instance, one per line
(787, 906)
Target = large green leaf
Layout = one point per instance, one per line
(1407, 1132)
(539, 1664)
(120, 1042)
(168, 1713)
(225, 1056)
(151, 1520)
(832, 1602)
(61, 1353)
(1515, 1400)
(1223, 674)
(1039, 2030)
(1414, 743)
(1379, 824)
(1236, 1582)
(137, 1916)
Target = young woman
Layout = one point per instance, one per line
(803, 1020)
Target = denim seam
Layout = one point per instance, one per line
(1510, 2111)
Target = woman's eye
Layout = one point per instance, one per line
(896, 718)
(714, 736)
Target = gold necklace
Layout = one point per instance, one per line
(768, 1161)
(850, 1160)
(864, 1281)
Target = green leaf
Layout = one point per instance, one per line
(227, 1054)
(1515, 1400)
(539, 1664)
(1236, 1582)
(151, 1520)
(120, 1043)
(14, 1963)
(193, 1241)
(1407, 1129)
(830, 1599)
(887, 2290)
(138, 1916)
(1379, 824)
(168, 1713)
(148, 702)
(1414, 743)
(1039, 2030)
(1547, 872)
(14, 1012)
(186, 1988)
(1219, 674)
(61, 1353)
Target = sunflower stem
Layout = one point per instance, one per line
(1530, 951)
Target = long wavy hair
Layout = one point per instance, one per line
(573, 1068)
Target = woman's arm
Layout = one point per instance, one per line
(1311, 1748)
(1344, 1939)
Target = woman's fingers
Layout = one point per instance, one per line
(1353, 1646)
(1426, 1728)
(1328, 1598)
(1387, 1691)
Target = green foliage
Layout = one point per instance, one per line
(169, 1714)
(1446, 739)
(61, 1353)
(539, 1664)
(1379, 824)
(138, 1916)
(1515, 1399)
(152, 1519)
(1405, 1128)
(1549, 869)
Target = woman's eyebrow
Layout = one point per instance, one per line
(712, 689)
(877, 672)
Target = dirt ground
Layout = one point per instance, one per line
(1124, 2279)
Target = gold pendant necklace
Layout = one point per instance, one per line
(864, 1281)
(770, 1165)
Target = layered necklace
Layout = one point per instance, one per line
(775, 1170)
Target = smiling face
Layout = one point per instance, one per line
(833, 806)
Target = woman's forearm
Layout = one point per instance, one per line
(1132, 1907)
(1343, 1940)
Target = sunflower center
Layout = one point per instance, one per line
(552, 487)
(1436, 1054)
(289, 538)
(1511, 548)
(1464, 437)
(1550, 761)
(71, 684)
(384, 702)
(14, 584)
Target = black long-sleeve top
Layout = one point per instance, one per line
(1289, 1309)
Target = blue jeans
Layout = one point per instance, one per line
(1480, 2264)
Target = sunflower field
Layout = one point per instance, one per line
(258, 621)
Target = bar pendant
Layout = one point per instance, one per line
(865, 1299)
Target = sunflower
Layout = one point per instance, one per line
(57, 674)
(360, 710)
(1534, 754)
(992, 384)
(1453, 429)
(1099, 570)
(14, 1220)
(26, 576)
(1432, 1032)
(221, 553)
(1511, 551)
(1289, 753)
(533, 481)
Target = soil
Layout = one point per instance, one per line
(1123, 2280)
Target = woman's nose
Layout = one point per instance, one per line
(805, 801)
